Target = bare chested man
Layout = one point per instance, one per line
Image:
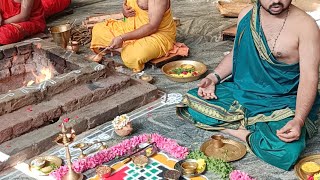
(271, 100)
(148, 32)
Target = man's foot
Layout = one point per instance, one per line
(240, 133)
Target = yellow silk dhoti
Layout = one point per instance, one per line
(135, 53)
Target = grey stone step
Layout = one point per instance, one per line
(31, 117)
(40, 140)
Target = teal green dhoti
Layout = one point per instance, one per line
(260, 96)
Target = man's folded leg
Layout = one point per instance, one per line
(265, 144)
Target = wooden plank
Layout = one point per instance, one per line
(163, 60)
(92, 20)
(229, 33)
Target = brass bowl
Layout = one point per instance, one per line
(189, 167)
(200, 67)
(61, 34)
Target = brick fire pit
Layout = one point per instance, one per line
(87, 93)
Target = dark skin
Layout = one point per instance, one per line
(127, 11)
(156, 10)
(24, 15)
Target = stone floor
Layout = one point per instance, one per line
(200, 30)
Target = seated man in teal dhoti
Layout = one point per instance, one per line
(271, 99)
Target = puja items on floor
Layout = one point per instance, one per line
(184, 70)
(308, 168)
(122, 125)
(103, 172)
(140, 161)
(81, 34)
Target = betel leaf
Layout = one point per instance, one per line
(217, 166)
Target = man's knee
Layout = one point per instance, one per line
(96, 30)
(132, 60)
(276, 152)
(293, 150)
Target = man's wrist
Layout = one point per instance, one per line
(122, 39)
(299, 120)
(213, 78)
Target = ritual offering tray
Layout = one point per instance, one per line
(307, 166)
(225, 149)
(44, 165)
(190, 167)
(184, 70)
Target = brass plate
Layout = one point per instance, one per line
(49, 160)
(230, 151)
(200, 67)
(297, 168)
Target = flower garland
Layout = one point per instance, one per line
(168, 145)
(120, 121)
(239, 175)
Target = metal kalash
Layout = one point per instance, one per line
(61, 34)
(65, 139)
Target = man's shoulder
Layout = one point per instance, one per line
(244, 12)
(302, 19)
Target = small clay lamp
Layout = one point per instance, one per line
(103, 171)
(146, 78)
(217, 141)
(122, 125)
(75, 46)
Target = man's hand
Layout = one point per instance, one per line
(116, 43)
(127, 11)
(291, 131)
(207, 89)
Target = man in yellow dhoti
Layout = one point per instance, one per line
(147, 32)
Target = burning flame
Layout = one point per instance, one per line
(45, 74)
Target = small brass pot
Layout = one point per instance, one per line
(217, 141)
(189, 167)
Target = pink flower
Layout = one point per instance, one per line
(239, 175)
(310, 178)
(65, 120)
(165, 144)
